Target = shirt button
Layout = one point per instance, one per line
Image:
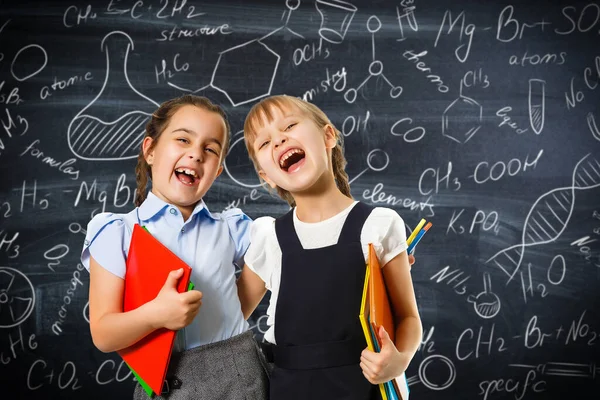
(173, 211)
(182, 230)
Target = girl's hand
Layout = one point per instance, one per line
(386, 365)
(174, 310)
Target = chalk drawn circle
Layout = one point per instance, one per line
(292, 5)
(86, 312)
(228, 172)
(3, 298)
(377, 23)
(34, 46)
(74, 227)
(395, 92)
(372, 154)
(261, 324)
(423, 368)
(376, 68)
(19, 293)
(350, 95)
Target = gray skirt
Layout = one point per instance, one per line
(232, 369)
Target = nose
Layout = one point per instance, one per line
(195, 155)
(279, 140)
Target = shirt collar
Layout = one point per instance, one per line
(153, 205)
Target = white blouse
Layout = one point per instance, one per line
(384, 228)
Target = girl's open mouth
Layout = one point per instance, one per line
(292, 160)
(187, 176)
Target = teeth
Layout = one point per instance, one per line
(288, 155)
(187, 171)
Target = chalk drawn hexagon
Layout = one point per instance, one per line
(17, 297)
(462, 119)
(252, 79)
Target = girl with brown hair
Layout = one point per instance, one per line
(215, 356)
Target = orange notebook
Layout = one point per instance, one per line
(379, 313)
(148, 265)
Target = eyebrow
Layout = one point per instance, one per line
(192, 132)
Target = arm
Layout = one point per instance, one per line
(409, 330)
(113, 330)
(251, 290)
(394, 358)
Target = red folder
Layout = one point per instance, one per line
(148, 265)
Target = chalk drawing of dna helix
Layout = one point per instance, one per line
(549, 216)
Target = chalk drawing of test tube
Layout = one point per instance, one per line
(336, 16)
(537, 104)
(408, 13)
(549, 216)
(112, 125)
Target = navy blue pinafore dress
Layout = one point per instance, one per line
(317, 329)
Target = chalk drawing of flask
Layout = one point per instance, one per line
(112, 125)
(486, 303)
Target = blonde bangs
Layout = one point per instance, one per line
(262, 113)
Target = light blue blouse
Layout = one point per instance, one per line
(208, 242)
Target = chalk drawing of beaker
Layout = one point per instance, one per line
(112, 126)
(336, 16)
(17, 297)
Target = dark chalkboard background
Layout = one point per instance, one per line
(482, 117)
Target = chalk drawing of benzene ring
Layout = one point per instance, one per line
(224, 83)
(221, 83)
(14, 309)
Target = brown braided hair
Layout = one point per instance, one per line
(156, 126)
(262, 112)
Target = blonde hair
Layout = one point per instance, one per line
(262, 112)
(157, 125)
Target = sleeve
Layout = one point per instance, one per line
(386, 230)
(107, 240)
(239, 230)
(264, 252)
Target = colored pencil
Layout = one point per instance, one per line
(415, 241)
(415, 231)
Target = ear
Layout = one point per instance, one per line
(148, 154)
(330, 137)
(219, 171)
(265, 178)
